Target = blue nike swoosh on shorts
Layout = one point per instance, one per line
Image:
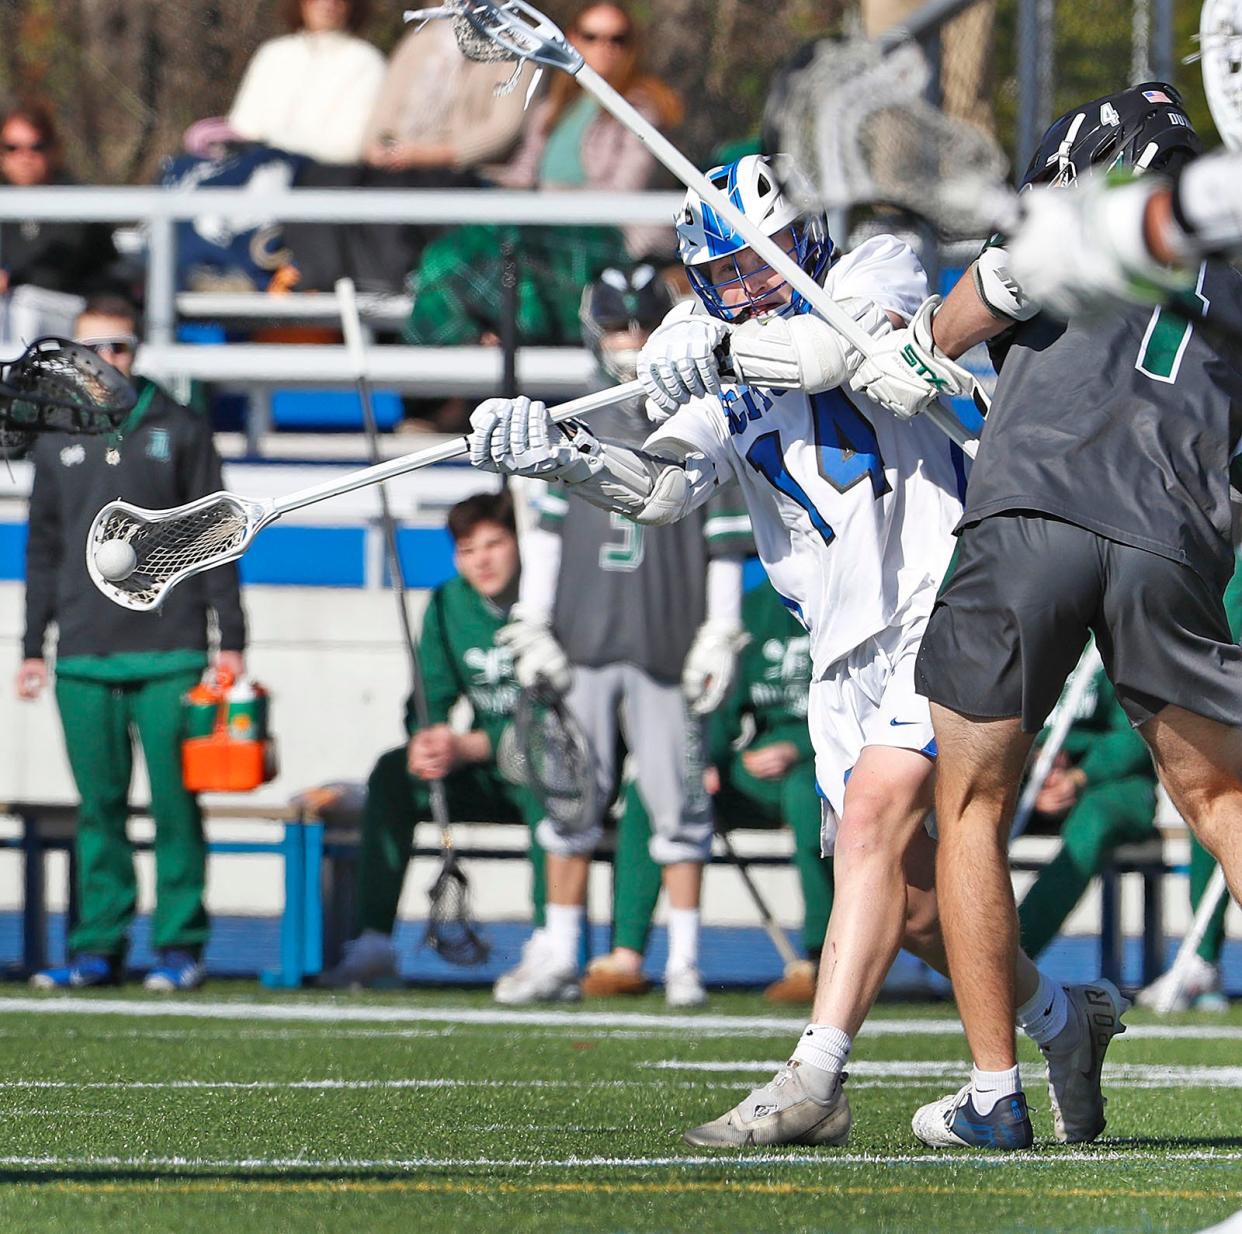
(897, 723)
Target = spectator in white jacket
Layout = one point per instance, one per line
(312, 91)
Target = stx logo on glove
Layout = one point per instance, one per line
(916, 362)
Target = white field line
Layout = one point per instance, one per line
(862, 1075)
(1122, 1075)
(345, 1085)
(746, 1160)
(335, 1013)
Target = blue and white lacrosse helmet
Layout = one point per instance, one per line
(703, 237)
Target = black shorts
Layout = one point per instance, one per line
(1024, 593)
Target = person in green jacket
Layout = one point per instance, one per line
(1103, 786)
(761, 771)
(459, 659)
(120, 673)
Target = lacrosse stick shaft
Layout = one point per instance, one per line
(774, 932)
(1216, 890)
(457, 448)
(1079, 682)
(355, 345)
(764, 245)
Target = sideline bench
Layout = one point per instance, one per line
(318, 846)
(49, 826)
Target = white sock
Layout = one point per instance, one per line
(683, 938)
(564, 933)
(823, 1052)
(988, 1087)
(1046, 1014)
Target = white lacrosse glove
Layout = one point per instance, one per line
(519, 438)
(1078, 251)
(906, 372)
(679, 362)
(710, 664)
(538, 659)
(802, 352)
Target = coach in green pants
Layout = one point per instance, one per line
(460, 661)
(770, 782)
(121, 674)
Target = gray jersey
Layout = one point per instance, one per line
(1122, 425)
(629, 594)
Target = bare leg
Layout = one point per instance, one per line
(1200, 764)
(923, 934)
(683, 882)
(567, 880)
(979, 766)
(888, 795)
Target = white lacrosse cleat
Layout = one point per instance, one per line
(539, 977)
(781, 1112)
(368, 960)
(1200, 989)
(683, 987)
(1095, 1013)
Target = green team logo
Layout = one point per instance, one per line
(490, 687)
(157, 445)
(786, 675)
(916, 362)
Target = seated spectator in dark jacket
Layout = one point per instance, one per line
(59, 256)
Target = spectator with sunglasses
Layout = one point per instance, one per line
(120, 672)
(569, 143)
(57, 256)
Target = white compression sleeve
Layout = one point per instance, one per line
(541, 564)
(724, 591)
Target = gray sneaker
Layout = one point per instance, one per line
(1074, 1071)
(781, 1112)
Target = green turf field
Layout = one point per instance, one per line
(436, 1111)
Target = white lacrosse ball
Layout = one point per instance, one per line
(115, 560)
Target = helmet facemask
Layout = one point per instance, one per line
(806, 242)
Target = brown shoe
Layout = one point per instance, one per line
(605, 978)
(796, 986)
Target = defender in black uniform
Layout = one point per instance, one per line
(1099, 504)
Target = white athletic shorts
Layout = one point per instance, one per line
(866, 698)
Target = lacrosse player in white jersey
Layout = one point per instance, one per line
(852, 514)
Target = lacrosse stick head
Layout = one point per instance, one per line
(491, 31)
(451, 931)
(855, 123)
(56, 385)
(549, 753)
(1220, 53)
(167, 546)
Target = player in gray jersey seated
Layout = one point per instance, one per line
(649, 618)
(1099, 503)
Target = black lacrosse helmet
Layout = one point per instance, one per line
(633, 298)
(1145, 128)
(59, 386)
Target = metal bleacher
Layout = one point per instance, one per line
(257, 368)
